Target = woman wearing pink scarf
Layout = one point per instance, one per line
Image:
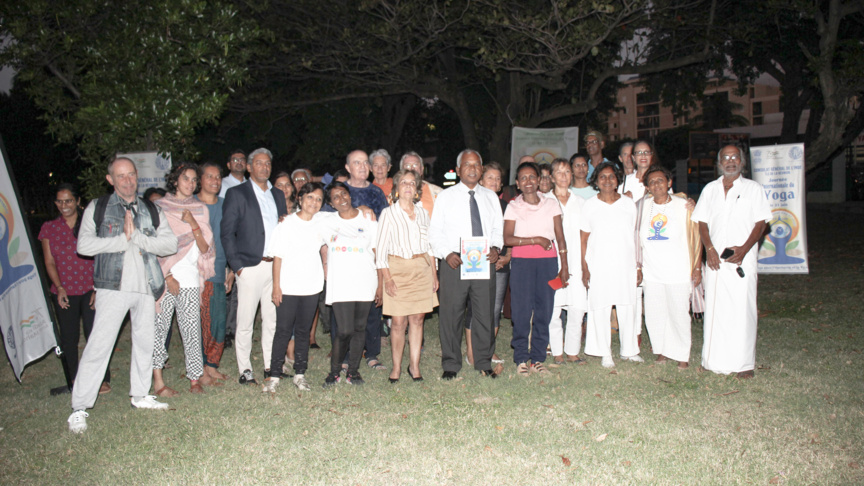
(185, 273)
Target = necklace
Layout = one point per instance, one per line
(661, 208)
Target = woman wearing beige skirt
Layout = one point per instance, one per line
(406, 270)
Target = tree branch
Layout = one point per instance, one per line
(56, 72)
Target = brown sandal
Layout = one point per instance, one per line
(166, 392)
(196, 388)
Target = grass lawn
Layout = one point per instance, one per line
(800, 421)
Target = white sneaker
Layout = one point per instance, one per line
(635, 358)
(300, 382)
(270, 385)
(608, 362)
(149, 402)
(78, 421)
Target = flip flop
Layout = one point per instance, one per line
(376, 365)
(166, 392)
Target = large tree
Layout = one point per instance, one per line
(814, 49)
(124, 76)
(506, 63)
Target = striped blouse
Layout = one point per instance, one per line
(398, 235)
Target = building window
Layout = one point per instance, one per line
(758, 119)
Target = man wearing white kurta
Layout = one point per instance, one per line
(732, 213)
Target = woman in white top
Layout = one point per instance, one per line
(406, 270)
(609, 266)
(352, 280)
(298, 277)
(185, 273)
(643, 157)
(574, 296)
(581, 187)
(667, 263)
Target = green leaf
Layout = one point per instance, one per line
(793, 245)
(768, 246)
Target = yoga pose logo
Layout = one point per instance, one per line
(11, 268)
(658, 226)
(782, 240)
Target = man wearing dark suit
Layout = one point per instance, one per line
(249, 215)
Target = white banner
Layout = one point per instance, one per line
(780, 170)
(152, 169)
(544, 144)
(24, 316)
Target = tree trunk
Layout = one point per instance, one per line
(396, 110)
(792, 105)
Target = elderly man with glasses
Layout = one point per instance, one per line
(732, 214)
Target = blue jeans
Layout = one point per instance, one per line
(531, 295)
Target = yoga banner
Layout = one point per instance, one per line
(152, 169)
(25, 320)
(544, 144)
(780, 170)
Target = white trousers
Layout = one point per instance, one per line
(598, 335)
(667, 317)
(254, 286)
(111, 309)
(569, 341)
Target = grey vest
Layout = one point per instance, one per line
(108, 271)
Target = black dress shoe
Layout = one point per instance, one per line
(448, 375)
(489, 374)
(416, 378)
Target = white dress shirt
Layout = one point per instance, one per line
(228, 182)
(269, 213)
(451, 220)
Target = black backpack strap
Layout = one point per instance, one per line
(154, 213)
(99, 213)
(102, 204)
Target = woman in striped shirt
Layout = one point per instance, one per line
(406, 270)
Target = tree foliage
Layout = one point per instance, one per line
(526, 63)
(126, 76)
(813, 48)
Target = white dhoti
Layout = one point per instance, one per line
(730, 301)
(667, 318)
(730, 319)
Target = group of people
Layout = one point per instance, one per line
(351, 250)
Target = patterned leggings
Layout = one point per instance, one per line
(187, 305)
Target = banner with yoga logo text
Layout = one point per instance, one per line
(780, 170)
(25, 320)
(544, 144)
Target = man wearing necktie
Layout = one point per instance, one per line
(462, 211)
